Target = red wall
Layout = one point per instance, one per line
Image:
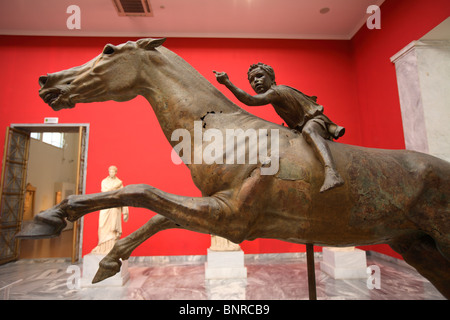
(354, 80)
(402, 21)
(128, 135)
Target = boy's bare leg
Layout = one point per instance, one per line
(332, 177)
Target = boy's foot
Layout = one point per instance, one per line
(332, 180)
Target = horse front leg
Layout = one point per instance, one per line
(50, 223)
(201, 214)
(123, 248)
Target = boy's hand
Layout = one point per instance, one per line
(222, 77)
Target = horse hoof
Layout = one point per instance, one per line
(108, 268)
(47, 224)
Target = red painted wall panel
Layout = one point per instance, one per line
(128, 134)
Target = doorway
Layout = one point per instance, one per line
(54, 168)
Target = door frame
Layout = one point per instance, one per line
(12, 191)
(81, 187)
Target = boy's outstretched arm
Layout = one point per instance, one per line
(257, 100)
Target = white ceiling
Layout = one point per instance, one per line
(283, 19)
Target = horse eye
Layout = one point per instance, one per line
(108, 49)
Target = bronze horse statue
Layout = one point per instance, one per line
(396, 197)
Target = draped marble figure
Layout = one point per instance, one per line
(109, 221)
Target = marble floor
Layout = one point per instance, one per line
(271, 277)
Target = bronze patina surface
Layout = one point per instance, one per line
(396, 197)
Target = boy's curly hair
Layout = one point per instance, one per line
(263, 66)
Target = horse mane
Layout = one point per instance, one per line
(172, 56)
(201, 81)
(207, 86)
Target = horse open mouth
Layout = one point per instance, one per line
(51, 97)
(55, 101)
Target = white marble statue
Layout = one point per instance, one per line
(222, 244)
(109, 222)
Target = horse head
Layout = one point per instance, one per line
(112, 75)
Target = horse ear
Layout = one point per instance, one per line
(149, 43)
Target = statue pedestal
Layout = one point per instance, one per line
(344, 263)
(225, 273)
(225, 265)
(90, 267)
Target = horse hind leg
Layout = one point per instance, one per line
(123, 248)
(421, 252)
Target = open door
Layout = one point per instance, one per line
(12, 191)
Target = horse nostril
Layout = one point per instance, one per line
(43, 80)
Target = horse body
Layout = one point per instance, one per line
(376, 205)
(389, 196)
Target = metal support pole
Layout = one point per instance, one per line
(311, 271)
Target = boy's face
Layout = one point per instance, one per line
(259, 80)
